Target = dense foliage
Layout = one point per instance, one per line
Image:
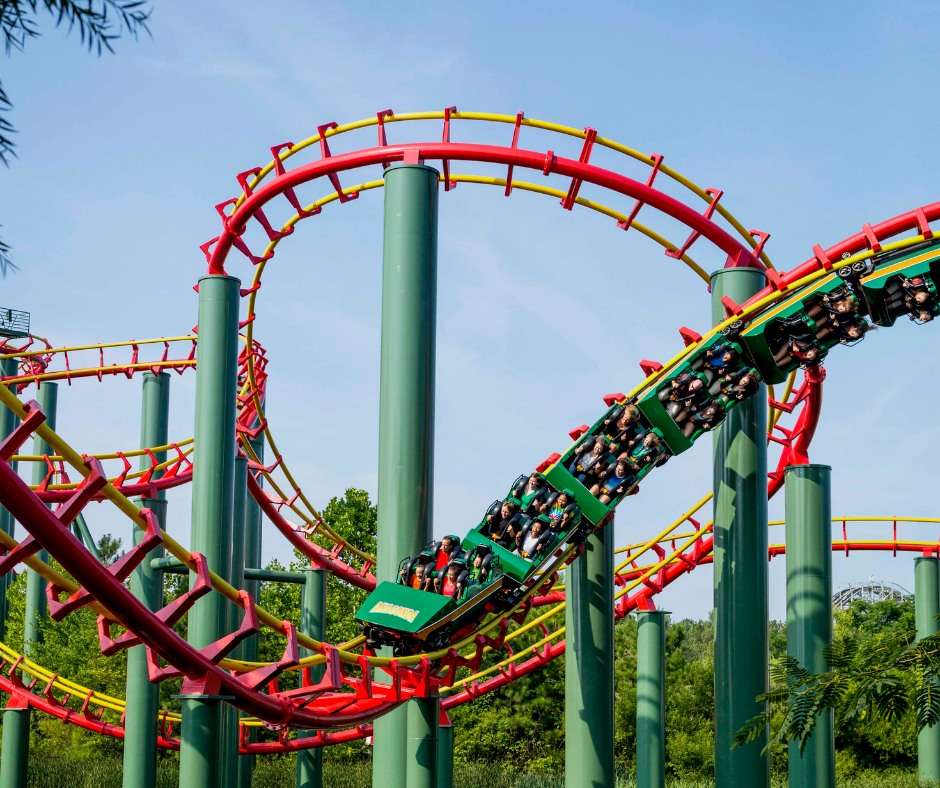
(523, 724)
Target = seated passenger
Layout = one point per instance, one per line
(652, 451)
(531, 492)
(478, 575)
(854, 332)
(918, 300)
(420, 578)
(584, 465)
(559, 517)
(796, 340)
(706, 418)
(685, 393)
(841, 304)
(624, 428)
(498, 522)
(720, 357)
(535, 542)
(448, 584)
(741, 385)
(620, 479)
(921, 316)
(450, 546)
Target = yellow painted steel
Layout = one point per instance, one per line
(299, 504)
(116, 705)
(129, 509)
(98, 346)
(493, 117)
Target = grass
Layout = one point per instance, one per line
(279, 773)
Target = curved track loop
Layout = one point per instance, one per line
(32, 684)
(249, 180)
(326, 706)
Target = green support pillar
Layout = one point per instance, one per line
(235, 576)
(8, 422)
(146, 583)
(422, 743)
(809, 608)
(445, 751)
(589, 665)
(651, 699)
(248, 649)
(406, 419)
(309, 767)
(14, 760)
(926, 609)
(213, 490)
(740, 573)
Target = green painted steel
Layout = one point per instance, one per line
(740, 573)
(562, 479)
(235, 576)
(444, 766)
(308, 771)
(926, 610)
(212, 511)
(248, 649)
(274, 576)
(421, 768)
(809, 608)
(8, 422)
(83, 534)
(15, 755)
(589, 665)
(35, 585)
(651, 699)
(146, 583)
(403, 608)
(406, 405)
(511, 563)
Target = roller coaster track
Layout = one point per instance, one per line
(347, 694)
(30, 683)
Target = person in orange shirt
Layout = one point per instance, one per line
(419, 579)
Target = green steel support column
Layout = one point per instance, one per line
(235, 576)
(421, 770)
(248, 649)
(809, 608)
(213, 489)
(445, 751)
(406, 409)
(309, 767)
(589, 665)
(140, 726)
(8, 422)
(926, 609)
(651, 699)
(14, 759)
(740, 573)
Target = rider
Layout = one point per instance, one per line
(618, 481)
(446, 552)
(533, 545)
(623, 429)
(419, 578)
(585, 465)
(447, 584)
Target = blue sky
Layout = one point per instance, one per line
(813, 118)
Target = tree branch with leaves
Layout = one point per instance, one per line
(867, 680)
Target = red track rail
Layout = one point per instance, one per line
(328, 706)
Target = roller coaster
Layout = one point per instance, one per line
(469, 617)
